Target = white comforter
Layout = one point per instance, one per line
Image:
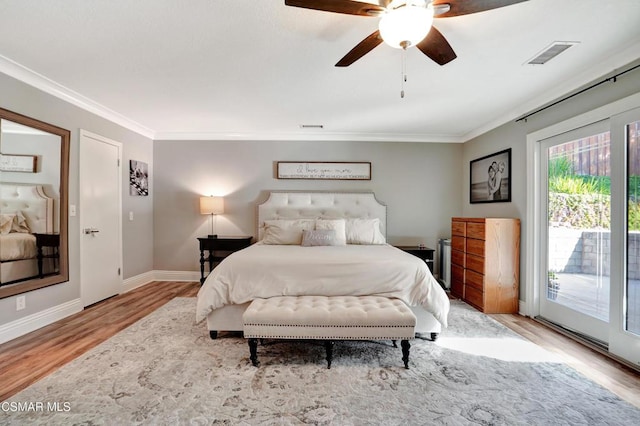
(263, 271)
(17, 246)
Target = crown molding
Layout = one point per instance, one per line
(308, 136)
(34, 79)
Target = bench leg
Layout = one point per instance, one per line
(328, 345)
(405, 352)
(253, 350)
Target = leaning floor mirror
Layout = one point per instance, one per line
(34, 178)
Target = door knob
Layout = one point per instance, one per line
(90, 231)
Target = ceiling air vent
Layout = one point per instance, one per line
(550, 52)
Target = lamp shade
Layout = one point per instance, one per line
(406, 26)
(211, 205)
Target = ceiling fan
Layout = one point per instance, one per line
(404, 23)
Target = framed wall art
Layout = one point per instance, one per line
(138, 178)
(490, 178)
(324, 170)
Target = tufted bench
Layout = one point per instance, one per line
(329, 319)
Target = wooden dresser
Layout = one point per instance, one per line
(485, 263)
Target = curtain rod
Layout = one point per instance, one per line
(612, 78)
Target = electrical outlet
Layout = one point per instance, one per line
(21, 303)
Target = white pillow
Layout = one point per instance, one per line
(364, 231)
(286, 231)
(338, 225)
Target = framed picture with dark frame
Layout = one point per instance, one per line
(490, 178)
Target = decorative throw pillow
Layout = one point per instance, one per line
(364, 231)
(286, 231)
(337, 225)
(6, 221)
(319, 237)
(19, 224)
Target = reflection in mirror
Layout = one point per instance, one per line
(34, 163)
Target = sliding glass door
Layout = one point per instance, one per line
(625, 304)
(577, 179)
(589, 216)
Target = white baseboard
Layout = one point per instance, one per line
(137, 281)
(177, 276)
(147, 277)
(38, 320)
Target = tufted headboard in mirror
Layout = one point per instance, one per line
(327, 205)
(32, 201)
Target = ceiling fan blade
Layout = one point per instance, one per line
(348, 7)
(465, 7)
(364, 47)
(436, 47)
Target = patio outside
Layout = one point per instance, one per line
(589, 294)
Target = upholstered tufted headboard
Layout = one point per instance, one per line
(294, 205)
(32, 201)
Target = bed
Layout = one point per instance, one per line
(25, 210)
(278, 265)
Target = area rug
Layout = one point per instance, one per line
(165, 369)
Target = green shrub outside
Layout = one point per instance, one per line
(582, 201)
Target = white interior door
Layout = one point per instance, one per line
(100, 217)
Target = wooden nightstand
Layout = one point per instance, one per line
(424, 253)
(218, 249)
(47, 240)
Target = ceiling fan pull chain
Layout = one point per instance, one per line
(403, 71)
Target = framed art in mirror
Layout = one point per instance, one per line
(18, 163)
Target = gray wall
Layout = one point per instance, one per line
(424, 185)
(514, 134)
(137, 235)
(419, 182)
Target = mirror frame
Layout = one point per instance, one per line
(63, 269)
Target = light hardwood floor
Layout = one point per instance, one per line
(27, 359)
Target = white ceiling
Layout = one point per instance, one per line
(248, 69)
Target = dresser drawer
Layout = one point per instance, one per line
(475, 247)
(457, 257)
(458, 243)
(474, 263)
(473, 279)
(457, 288)
(458, 228)
(457, 273)
(475, 230)
(474, 297)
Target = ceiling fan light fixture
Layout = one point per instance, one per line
(406, 25)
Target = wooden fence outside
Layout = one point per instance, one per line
(590, 156)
